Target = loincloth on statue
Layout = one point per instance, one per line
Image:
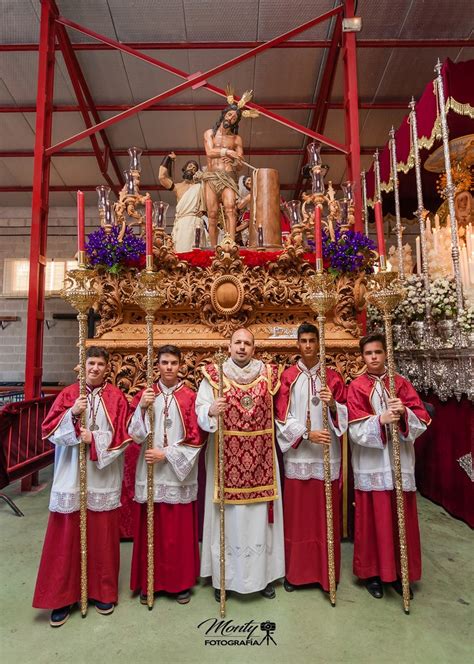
(219, 181)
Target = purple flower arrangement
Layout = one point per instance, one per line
(349, 252)
(105, 250)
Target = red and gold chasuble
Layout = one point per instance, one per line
(249, 438)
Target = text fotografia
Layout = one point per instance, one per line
(229, 633)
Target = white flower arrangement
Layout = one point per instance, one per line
(443, 299)
(413, 306)
(466, 319)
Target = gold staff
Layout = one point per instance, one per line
(79, 290)
(149, 297)
(321, 299)
(220, 358)
(385, 293)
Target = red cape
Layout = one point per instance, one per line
(360, 391)
(288, 379)
(186, 400)
(116, 409)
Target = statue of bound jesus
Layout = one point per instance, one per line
(224, 154)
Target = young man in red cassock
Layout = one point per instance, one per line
(107, 413)
(299, 411)
(176, 445)
(371, 412)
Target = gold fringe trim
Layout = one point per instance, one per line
(426, 142)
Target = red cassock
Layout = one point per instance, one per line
(176, 538)
(304, 503)
(58, 581)
(376, 542)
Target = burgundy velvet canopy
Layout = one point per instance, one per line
(459, 96)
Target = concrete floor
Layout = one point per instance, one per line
(360, 629)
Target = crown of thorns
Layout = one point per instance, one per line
(245, 98)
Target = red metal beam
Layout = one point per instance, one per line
(277, 106)
(300, 43)
(200, 78)
(323, 94)
(92, 187)
(39, 209)
(185, 152)
(351, 96)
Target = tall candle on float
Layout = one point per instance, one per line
(418, 255)
(149, 233)
(81, 227)
(318, 238)
(380, 234)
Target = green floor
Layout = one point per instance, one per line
(359, 629)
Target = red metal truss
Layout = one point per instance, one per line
(39, 210)
(183, 152)
(86, 105)
(349, 57)
(200, 78)
(300, 43)
(323, 94)
(276, 106)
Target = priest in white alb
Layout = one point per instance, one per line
(254, 549)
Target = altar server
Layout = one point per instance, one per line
(177, 442)
(371, 411)
(107, 412)
(299, 412)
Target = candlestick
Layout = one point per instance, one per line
(364, 203)
(418, 255)
(393, 158)
(81, 226)
(149, 226)
(318, 235)
(437, 224)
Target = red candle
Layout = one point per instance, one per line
(81, 226)
(149, 227)
(318, 237)
(379, 228)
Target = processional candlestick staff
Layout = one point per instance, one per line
(321, 298)
(450, 190)
(422, 214)
(149, 297)
(79, 290)
(364, 203)
(385, 293)
(220, 359)
(393, 156)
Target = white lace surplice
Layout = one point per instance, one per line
(255, 553)
(175, 479)
(372, 460)
(306, 462)
(104, 477)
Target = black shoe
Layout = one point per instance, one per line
(184, 597)
(217, 594)
(59, 616)
(398, 588)
(105, 608)
(289, 587)
(268, 592)
(375, 587)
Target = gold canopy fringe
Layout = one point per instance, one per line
(426, 142)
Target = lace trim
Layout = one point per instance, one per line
(371, 436)
(164, 493)
(291, 433)
(66, 502)
(310, 470)
(180, 464)
(382, 481)
(255, 551)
